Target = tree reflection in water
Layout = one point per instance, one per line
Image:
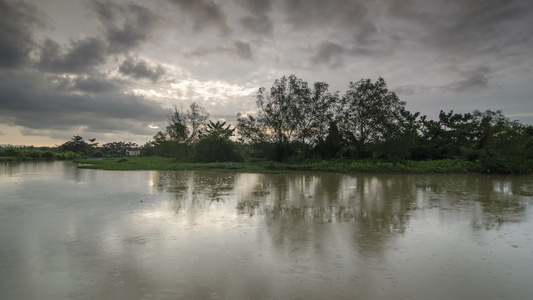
(377, 202)
(379, 207)
(492, 201)
(200, 235)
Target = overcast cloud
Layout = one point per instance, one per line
(110, 68)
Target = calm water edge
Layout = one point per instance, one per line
(69, 233)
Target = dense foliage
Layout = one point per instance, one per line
(369, 121)
(291, 112)
(11, 153)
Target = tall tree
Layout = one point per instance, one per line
(277, 120)
(290, 111)
(369, 113)
(316, 109)
(184, 126)
(78, 145)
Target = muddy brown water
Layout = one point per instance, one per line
(69, 233)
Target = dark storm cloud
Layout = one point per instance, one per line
(256, 7)
(473, 80)
(238, 49)
(468, 81)
(89, 84)
(93, 85)
(124, 26)
(29, 101)
(17, 22)
(256, 19)
(140, 69)
(405, 9)
(204, 13)
(329, 53)
(258, 24)
(411, 90)
(490, 33)
(352, 19)
(82, 56)
(466, 28)
(456, 28)
(305, 14)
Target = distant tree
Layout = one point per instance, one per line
(117, 149)
(183, 130)
(161, 145)
(402, 140)
(459, 133)
(369, 113)
(503, 146)
(456, 135)
(147, 149)
(78, 145)
(497, 143)
(11, 151)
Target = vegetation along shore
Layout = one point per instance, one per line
(302, 127)
(338, 166)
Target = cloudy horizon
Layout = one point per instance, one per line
(113, 69)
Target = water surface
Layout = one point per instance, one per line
(82, 234)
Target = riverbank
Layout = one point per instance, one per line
(339, 166)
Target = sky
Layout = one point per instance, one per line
(113, 70)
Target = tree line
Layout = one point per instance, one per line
(296, 121)
(76, 148)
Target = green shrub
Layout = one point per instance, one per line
(48, 155)
(216, 148)
(36, 154)
(68, 156)
(11, 151)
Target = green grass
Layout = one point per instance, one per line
(339, 166)
(153, 163)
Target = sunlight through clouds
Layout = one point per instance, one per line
(149, 93)
(212, 89)
(195, 90)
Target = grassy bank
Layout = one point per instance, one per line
(37, 155)
(340, 166)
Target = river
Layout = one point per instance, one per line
(70, 233)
